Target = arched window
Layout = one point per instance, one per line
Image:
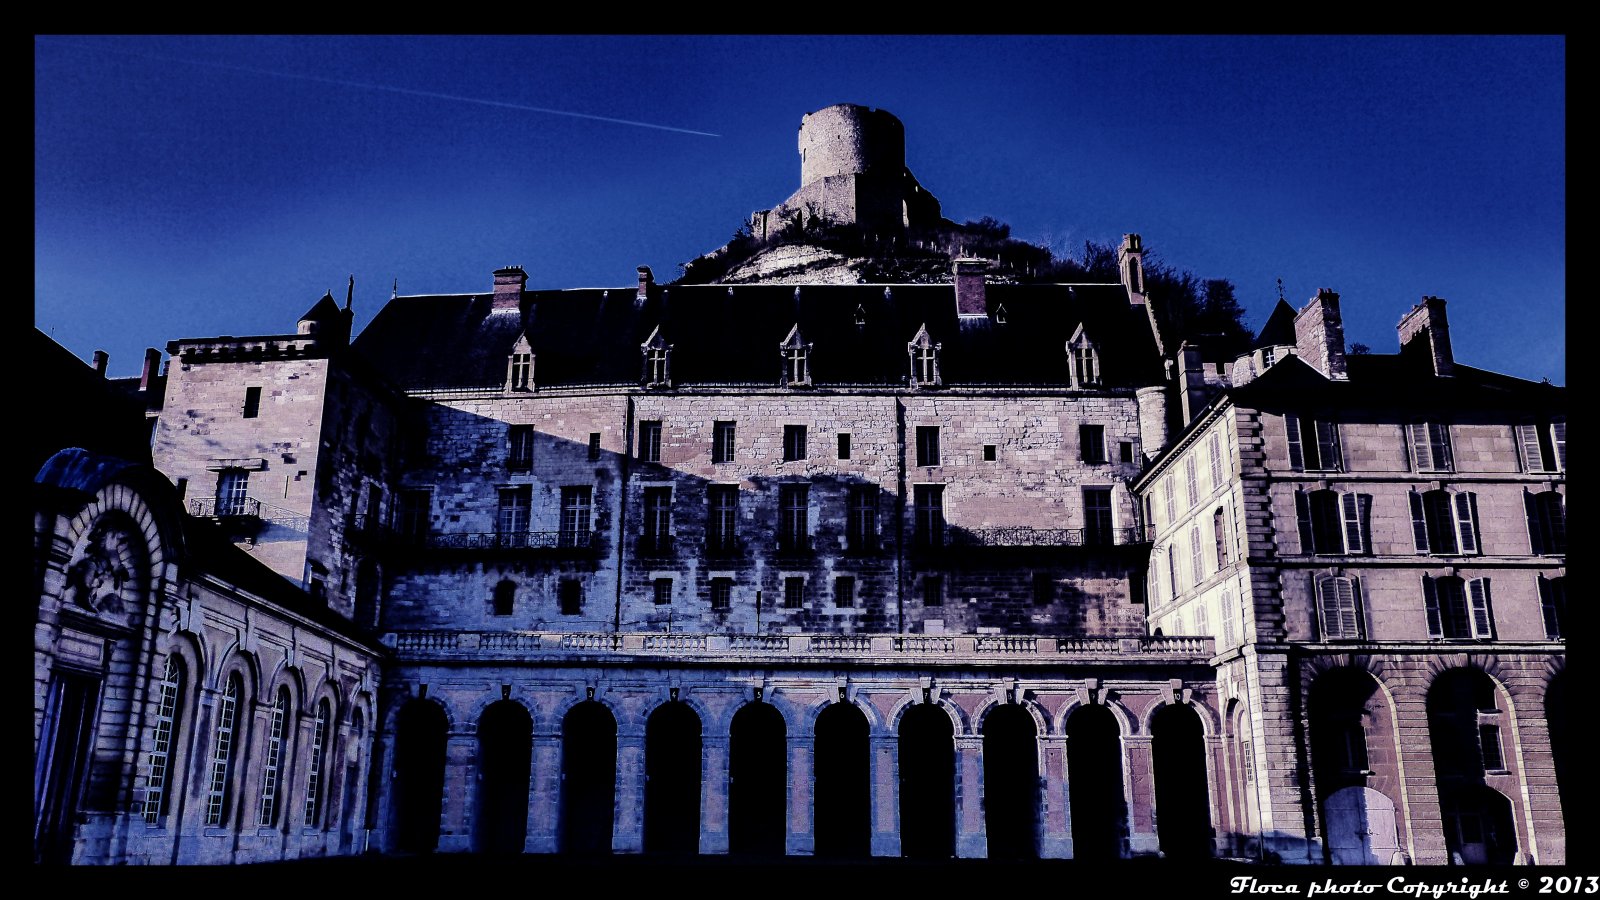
(273, 760)
(1445, 523)
(169, 696)
(505, 594)
(1457, 609)
(217, 786)
(314, 786)
(1334, 523)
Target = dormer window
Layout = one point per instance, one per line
(1000, 314)
(519, 370)
(796, 359)
(1085, 357)
(657, 359)
(924, 355)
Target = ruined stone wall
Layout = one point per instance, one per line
(846, 139)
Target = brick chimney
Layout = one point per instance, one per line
(1130, 262)
(508, 285)
(1319, 335)
(1425, 336)
(969, 286)
(101, 358)
(152, 368)
(646, 281)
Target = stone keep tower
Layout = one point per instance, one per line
(853, 171)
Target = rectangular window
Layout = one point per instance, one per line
(319, 735)
(1558, 439)
(1547, 522)
(1553, 605)
(1313, 445)
(575, 508)
(1166, 496)
(1197, 557)
(570, 595)
(1229, 637)
(233, 493)
(1097, 517)
(222, 753)
(722, 442)
(844, 591)
(794, 530)
(1216, 460)
(267, 811)
(794, 442)
(794, 593)
(657, 535)
(1125, 451)
(515, 506)
(155, 791)
(663, 591)
(521, 371)
(1334, 523)
(1092, 443)
(1339, 599)
(1202, 618)
(252, 402)
(1430, 446)
(927, 445)
(1044, 588)
(844, 445)
(1457, 609)
(1534, 441)
(519, 458)
(721, 593)
(413, 512)
(1172, 572)
(933, 590)
(862, 530)
(1445, 523)
(722, 518)
(650, 441)
(594, 446)
(989, 453)
(1191, 482)
(928, 501)
(1489, 745)
(1219, 533)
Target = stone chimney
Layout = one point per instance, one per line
(152, 368)
(101, 358)
(1153, 434)
(1130, 262)
(508, 285)
(969, 286)
(647, 280)
(1193, 392)
(1319, 335)
(1425, 336)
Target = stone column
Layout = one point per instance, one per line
(628, 829)
(1138, 783)
(714, 795)
(800, 836)
(1425, 819)
(972, 841)
(460, 792)
(383, 773)
(884, 778)
(544, 796)
(1217, 794)
(1055, 812)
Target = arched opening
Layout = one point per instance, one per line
(843, 823)
(1352, 756)
(927, 783)
(588, 778)
(505, 748)
(757, 781)
(1183, 807)
(349, 807)
(1094, 783)
(1465, 729)
(672, 780)
(1011, 783)
(1561, 750)
(419, 776)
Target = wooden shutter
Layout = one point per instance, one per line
(1302, 513)
(1350, 513)
(1327, 445)
(1420, 447)
(1535, 531)
(1430, 605)
(1419, 522)
(1297, 460)
(1558, 433)
(1466, 516)
(1528, 439)
(1478, 596)
(1549, 608)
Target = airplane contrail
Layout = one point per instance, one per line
(392, 89)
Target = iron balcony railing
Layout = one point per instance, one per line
(1032, 537)
(225, 508)
(515, 540)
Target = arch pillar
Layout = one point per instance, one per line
(800, 836)
(1419, 784)
(544, 816)
(1138, 782)
(1055, 821)
(885, 781)
(460, 781)
(972, 840)
(628, 828)
(714, 794)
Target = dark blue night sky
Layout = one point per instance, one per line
(192, 186)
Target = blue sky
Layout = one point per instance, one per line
(194, 186)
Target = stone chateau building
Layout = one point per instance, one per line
(971, 569)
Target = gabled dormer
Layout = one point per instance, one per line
(657, 360)
(519, 366)
(796, 355)
(1083, 356)
(924, 354)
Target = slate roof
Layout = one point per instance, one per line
(725, 334)
(1279, 329)
(1392, 381)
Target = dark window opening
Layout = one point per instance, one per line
(1092, 441)
(793, 525)
(650, 441)
(794, 593)
(722, 518)
(663, 588)
(844, 591)
(844, 445)
(929, 504)
(794, 442)
(988, 453)
(933, 590)
(594, 446)
(721, 593)
(1044, 588)
(504, 597)
(520, 457)
(252, 402)
(927, 445)
(1125, 451)
(1097, 517)
(571, 594)
(722, 436)
(862, 529)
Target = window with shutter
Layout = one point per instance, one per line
(1430, 446)
(1197, 562)
(1466, 504)
(1339, 598)
(1482, 623)
(1558, 436)
(1547, 522)
(1313, 444)
(1191, 483)
(1216, 461)
(1446, 601)
(1553, 605)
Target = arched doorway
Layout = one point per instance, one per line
(927, 783)
(1351, 750)
(757, 781)
(505, 745)
(1466, 726)
(843, 824)
(1183, 806)
(1011, 783)
(672, 780)
(1094, 782)
(588, 778)
(419, 776)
